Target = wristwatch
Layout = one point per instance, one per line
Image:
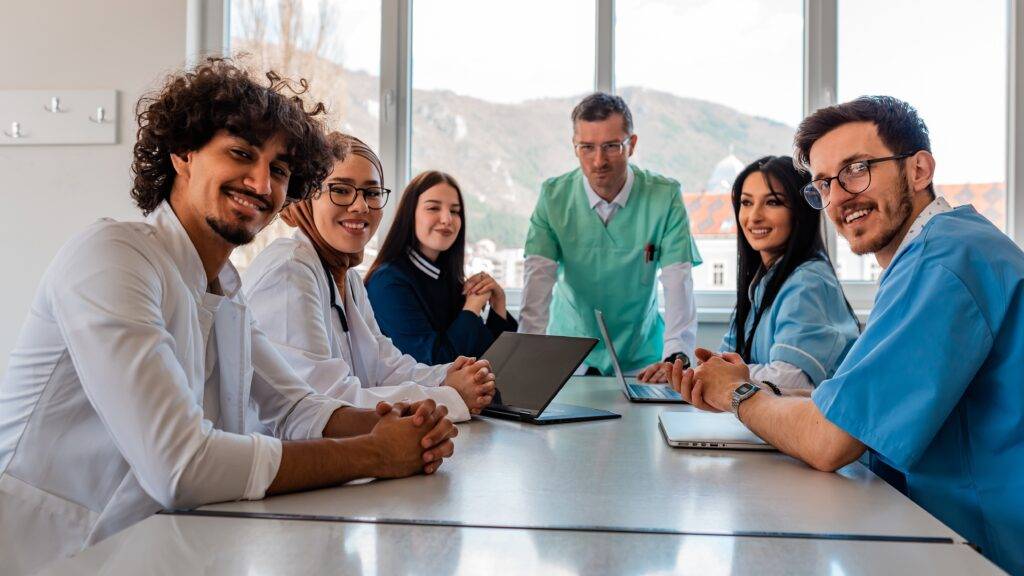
(741, 393)
(671, 359)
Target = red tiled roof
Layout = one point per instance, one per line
(711, 212)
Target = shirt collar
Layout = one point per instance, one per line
(423, 264)
(936, 207)
(175, 240)
(621, 198)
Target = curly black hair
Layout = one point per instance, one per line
(218, 95)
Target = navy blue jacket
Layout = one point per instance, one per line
(431, 328)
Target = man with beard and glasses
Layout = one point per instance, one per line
(933, 385)
(139, 377)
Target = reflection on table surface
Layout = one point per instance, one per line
(167, 544)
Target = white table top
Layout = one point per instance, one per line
(618, 474)
(166, 544)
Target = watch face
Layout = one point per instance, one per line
(744, 388)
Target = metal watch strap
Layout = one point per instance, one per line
(741, 393)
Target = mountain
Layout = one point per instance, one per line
(501, 153)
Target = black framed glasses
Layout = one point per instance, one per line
(855, 178)
(345, 195)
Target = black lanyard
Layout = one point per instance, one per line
(334, 298)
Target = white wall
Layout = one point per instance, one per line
(49, 192)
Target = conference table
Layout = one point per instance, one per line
(599, 497)
(617, 475)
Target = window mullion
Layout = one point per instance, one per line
(604, 67)
(1015, 124)
(395, 98)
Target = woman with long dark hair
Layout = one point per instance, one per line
(418, 287)
(306, 295)
(792, 324)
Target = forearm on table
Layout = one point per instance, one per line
(349, 421)
(796, 427)
(310, 464)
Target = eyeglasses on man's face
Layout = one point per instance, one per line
(855, 178)
(345, 195)
(612, 149)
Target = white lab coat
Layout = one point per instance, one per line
(128, 392)
(287, 289)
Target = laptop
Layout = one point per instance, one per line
(530, 370)
(708, 430)
(635, 391)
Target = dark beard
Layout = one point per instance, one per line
(234, 235)
(904, 208)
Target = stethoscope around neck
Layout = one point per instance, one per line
(334, 297)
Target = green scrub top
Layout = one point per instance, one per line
(606, 268)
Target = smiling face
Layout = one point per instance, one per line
(347, 228)
(875, 220)
(438, 219)
(765, 218)
(229, 189)
(605, 172)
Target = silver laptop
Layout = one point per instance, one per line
(708, 430)
(635, 391)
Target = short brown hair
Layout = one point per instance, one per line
(600, 106)
(217, 95)
(899, 126)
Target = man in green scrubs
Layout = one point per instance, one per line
(598, 236)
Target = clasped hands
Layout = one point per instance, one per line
(710, 385)
(413, 436)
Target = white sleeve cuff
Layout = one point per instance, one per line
(265, 464)
(680, 309)
(539, 275)
(782, 374)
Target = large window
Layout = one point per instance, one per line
(335, 45)
(952, 68)
(712, 86)
(493, 86)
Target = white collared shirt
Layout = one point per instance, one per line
(287, 288)
(606, 210)
(111, 409)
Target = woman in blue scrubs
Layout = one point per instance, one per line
(792, 323)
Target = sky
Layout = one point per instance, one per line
(746, 54)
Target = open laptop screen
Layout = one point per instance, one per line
(530, 369)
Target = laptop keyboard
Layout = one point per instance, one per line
(653, 392)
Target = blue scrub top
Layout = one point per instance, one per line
(934, 384)
(808, 324)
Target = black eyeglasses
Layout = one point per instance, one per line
(855, 178)
(345, 195)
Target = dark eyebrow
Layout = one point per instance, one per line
(846, 162)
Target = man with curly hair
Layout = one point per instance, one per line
(139, 376)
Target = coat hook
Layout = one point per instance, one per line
(100, 117)
(15, 131)
(54, 105)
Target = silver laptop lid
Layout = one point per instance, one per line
(707, 429)
(611, 349)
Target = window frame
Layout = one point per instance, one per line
(207, 33)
